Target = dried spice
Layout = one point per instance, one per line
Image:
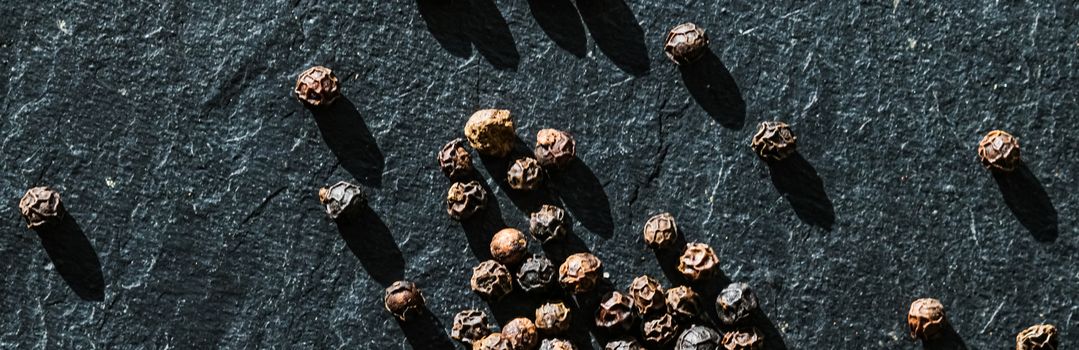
(491, 280)
(686, 43)
(660, 331)
(660, 232)
(455, 161)
(999, 151)
(743, 339)
(403, 299)
(470, 326)
(615, 313)
(647, 295)
(735, 303)
(521, 334)
(926, 318)
(683, 303)
(698, 262)
(465, 199)
(1037, 337)
(509, 246)
(553, 318)
(41, 206)
(557, 344)
(699, 338)
(343, 200)
(525, 174)
(537, 274)
(548, 223)
(774, 141)
(493, 341)
(317, 86)
(624, 343)
(491, 132)
(554, 149)
(580, 272)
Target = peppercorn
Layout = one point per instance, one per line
(743, 339)
(493, 341)
(465, 199)
(317, 86)
(926, 318)
(660, 232)
(491, 280)
(999, 151)
(735, 303)
(455, 161)
(521, 334)
(557, 344)
(615, 313)
(41, 207)
(491, 132)
(537, 274)
(699, 337)
(342, 200)
(509, 246)
(580, 272)
(1037, 337)
(698, 262)
(647, 295)
(686, 43)
(403, 299)
(774, 141)
(525, 174)
(624, 343)
(553, 318)
(682, 303)
(554, 148)
(660, 331)
(470, 326)
(548, 223)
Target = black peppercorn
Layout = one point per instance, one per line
(491, 280)
(557, 344)
(342, 200)
(525, 174)
(660, 331)
(521, 334)
(493, 341)
(1037, 337)
(699, 338)
(470, 326)
(41, 207)
(698, 262)
(509, 246)
(491, 132)
(580, 272)
(403, 299)
(686, 43)
(317, 86)
(774, 141)
(554, 148)
(735, 303)
(926, 318)
(615, 313)
(660, 232)
(537, 274)
(548, 223)
(465, 199)
(455, 161)
(647, 295)
(999, 151)
(553, 318)
(624, 343)
(743, 339)
(683, 303)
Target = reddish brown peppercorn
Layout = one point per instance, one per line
(660, 232)
(699, 338)
(580, 272)
(1037, 337)
(470, 326)
(624, 343)
(553, 318)
(682, 303)
(521, 334)
(774, 141)
(317, 86)
(491, 132)
(557, 344)
(509, 246)
(660, 331)
(548, 223)
(465, 199)
(735, 303)
(743, 339)
(647, 295)
(698, 262)
(342, 200)
(999, 151)
(615, 313)
(537, 274)
(491, 280)
(455, 161)
(686, 43)
(493, 341)
(525, 174)
(926, 318)
(41, 206)
(554, 148)
(403, 299)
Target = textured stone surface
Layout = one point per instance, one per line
(192, 173)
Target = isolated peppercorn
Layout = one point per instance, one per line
(465, 199)
(509, 246)
(624, 343)
(735, 303)
(403, 299)
(1037, 337)
(553, 318)
(647, 295)
(699, 337)
(774, 141)
(580, 272)
(525, 174)
(683, 303)
(41, 207)
(615, 313)
(493, 341)
(548, 223)
(926, 318)
(660, 232)
(491, 132)
(661, 331)
(999, 151)
(491, 280)
(554, 148)
(521, 334)
(537, 274)
(698, 262)
(743, 339)
(686, 43)
(557, 344)
(317, 86)
(455, 161)
(470, 326)
(342, 200)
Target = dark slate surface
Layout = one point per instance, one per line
(191, 172)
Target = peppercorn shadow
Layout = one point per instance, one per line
(799, 183)
(617, 33)
(583, 196)
(351, 141)
(591, 301)
(712, 86)
(74, 258)
(559, 19)
(372, 243)
(481, 227)
(668, 260)
(425, 332)
(460, 25)
(527, 201)
(558, 250)
(773, 339)
(949, 339)
(1027, 199)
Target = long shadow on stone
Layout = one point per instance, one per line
(425, 332)
(584, 197)
(618, 34)
(668, 261)
(370, 241)
(458, 25)
(481, 227)
(712, 86)
(559, 19)
(797, 181)
(1027, 199)
(74, 258)
(773, 339)
(948, 340)
(351, 141)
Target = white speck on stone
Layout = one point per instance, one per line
(63, 26)
(110, 182)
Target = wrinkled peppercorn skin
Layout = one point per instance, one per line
(624, 343)
(469, 326)
(683, 303)
(1038, 337)
(491, 132)
(521, 334)
(343, 200)
(553, 318)
(699, 338)
(735, 303)
(774, 141)
(743, 339)
(317, 86)
(686, 43)
(41, 207)
(493, 341)
(465, 199)
(580, 272)
(661, 231)
(548, 224)
(455, 161)
(926, 318)
(648, 295)
(999, 151)
(525, 174)
(557, 344)
(698, 262)
(661, 331)
(403, 299)
(555, 149)
(509, 246)
(537, 274)
(615, 313)
(491, 280)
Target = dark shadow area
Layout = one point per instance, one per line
(668, 261)
(587, 304)
(74, 257)
(425, 332)
(516, 304)
(617, 33)
(948, 340)
(712, 86)
(481, 227)
(351, 141)
(461, 24)
(526, 201)
(773, 339)
(557, 251)
(708, 290)
(1027, 199)
(370, 240)
(797, 181)
(583, 196)
(559, 19)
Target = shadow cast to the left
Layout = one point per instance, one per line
(712, 86)
(425, 332)
(351, 141)
(799, 183)
(74, 257)
(1027, 199)
(370, 240)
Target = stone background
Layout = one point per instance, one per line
(191, 172)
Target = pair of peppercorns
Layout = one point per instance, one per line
(927, 321)
(698, 260)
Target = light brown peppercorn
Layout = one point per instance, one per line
(661, 231)
(41, 207)
(493, 341)
(554, 148)
(509, 246)
(735, 303)
(491, 132)
(455, 161)
(683, 303)
(580, 272)
(343, 200)
(686, 43)
(661, 330)
(557, 344)
(624, 343)
(537, 274)
(647, 295)
(774, 141)
(999, 151)
(1037, 337)
(403, 299)
(521, 334)
(743, 339)
(548, 224)
(525, 174)
(698, 262)
(470, 326)
(553, 318)
(491, 280)
(317, 86)
(615, 313)
(465, 199)
(926, 318)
